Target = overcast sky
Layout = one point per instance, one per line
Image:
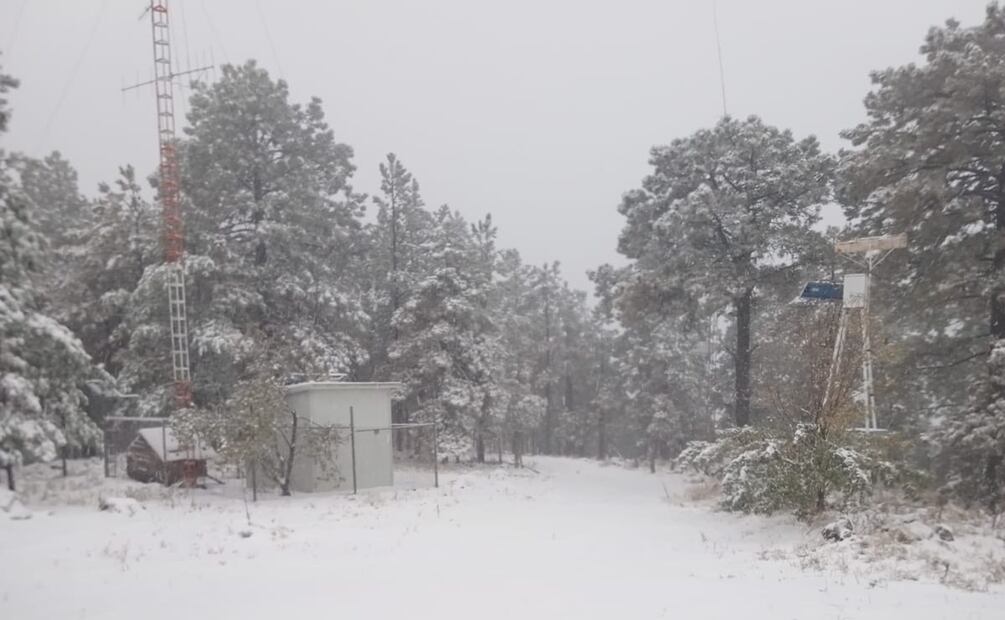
(541, 112)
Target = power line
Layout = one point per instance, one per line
(268, 37)
(74, 70)
(216, 33)
(718, 49)
(14, 30)
(184, 32)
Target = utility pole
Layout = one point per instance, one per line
(170, 197)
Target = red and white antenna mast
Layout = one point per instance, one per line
(170, 197)
(170, 194)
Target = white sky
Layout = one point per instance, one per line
(541, 112)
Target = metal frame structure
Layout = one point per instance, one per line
(170, 196)
(874, 250)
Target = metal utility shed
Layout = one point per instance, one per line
(328, 403)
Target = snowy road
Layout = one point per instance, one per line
(577, 541)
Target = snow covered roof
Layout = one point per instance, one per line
(343, 385)
(159, 437)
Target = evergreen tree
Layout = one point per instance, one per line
(7, 84)
(929, 162)
(107, 256)
(401, 228)
(544, 292)
(42, 364)
(51, 183)
(726, 214)
(444, 348)
(274, 238)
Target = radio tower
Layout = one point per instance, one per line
(170, 194)
(170, 197)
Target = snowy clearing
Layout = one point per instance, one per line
(577, 540)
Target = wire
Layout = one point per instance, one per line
(176, 59)
(719, 50)
(14, 30)
(74, 70)
(184, 32)
(268, 37)
(216, 33)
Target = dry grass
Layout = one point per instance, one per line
(703, 491)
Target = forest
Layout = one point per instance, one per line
(689, 352)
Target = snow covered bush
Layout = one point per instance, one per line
(711, 457)
(765, 470)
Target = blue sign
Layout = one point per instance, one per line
(822, 291)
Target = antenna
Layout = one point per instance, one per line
(170, 196)
(718, 49)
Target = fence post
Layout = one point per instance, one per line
(164, 446)
(436, 459)
(104, 442)
(352, 446)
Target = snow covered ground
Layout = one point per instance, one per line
(577, 540)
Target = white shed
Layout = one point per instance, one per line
(328, 403)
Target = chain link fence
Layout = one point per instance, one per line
(352, 458)
(402, 456)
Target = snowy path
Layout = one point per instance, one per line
(577, 541)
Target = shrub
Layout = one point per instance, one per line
(764, 471)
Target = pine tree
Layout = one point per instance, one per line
(51, 183)
(726, 214)
(929, 162)
(7, 84)
(274, 241)
(523, 409)
(544, 293)
(106, 257)
(402, 227)
(42, 364)
(444, 348)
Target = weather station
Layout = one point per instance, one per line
(854, 294)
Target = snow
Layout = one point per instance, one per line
(11, 506)
(126, 505)
(576, 540)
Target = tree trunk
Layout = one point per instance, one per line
(549, 412)
(998, 292)
(994, 461)
(9, 468)
(480, 447)
(292, 453)
(742, 358)
(398, 417)
(517, 453)
(602, 436)
(64, 448)
(549, 420)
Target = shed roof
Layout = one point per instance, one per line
(389, 386)
(159, 437)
